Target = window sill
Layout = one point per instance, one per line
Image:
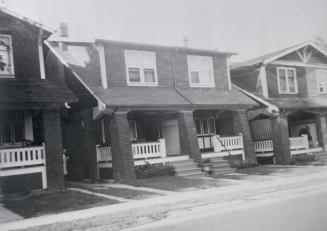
(143, 84)
(288, 93)
(202, 86)
(5, 76)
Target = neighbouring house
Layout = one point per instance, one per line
(141, 103)
(30, 104)
(291, 85)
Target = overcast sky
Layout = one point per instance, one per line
(248, 27)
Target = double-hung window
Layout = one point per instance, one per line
(287, 83)
(6, 57)
(322, 81)
(141, 68)
(200, 71)
(205, 126)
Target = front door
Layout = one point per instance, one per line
(171, 135)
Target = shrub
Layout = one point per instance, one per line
(302, 159)
(151, 170)
(244, 164)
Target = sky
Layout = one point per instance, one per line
(247, 27)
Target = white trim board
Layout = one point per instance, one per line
(298, 64)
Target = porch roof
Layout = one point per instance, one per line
(200, 96)
(298, 102)
(27, 91)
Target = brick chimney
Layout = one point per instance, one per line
(63, 29)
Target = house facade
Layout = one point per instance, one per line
(30, 104)
(290, 84)
(141, 103)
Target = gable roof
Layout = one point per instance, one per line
(269, 57)
(82, 59)
(25, 19)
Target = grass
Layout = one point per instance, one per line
(122, 192)
(177, 183)
(55, 202)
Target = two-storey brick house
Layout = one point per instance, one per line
(147, 103)
(30, 104)
(291, 84)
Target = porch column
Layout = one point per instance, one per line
(321, 130)
(187, 135)
(281, 139)
(53, 149)
(121, 149)
(241, 125)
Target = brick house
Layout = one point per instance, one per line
(291, 85)
(142, 103)
(30, 104)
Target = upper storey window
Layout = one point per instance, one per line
(200, 71)
(141, 68)
(322, 81)
(287, 83)
(6, 57)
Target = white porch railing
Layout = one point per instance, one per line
(263, 146)
(22, 157)
(301, 142)
(23, 160)
(223, 146)
(103, 154)
(149, 150)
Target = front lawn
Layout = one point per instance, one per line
(55, 202)
(177, 183)
(122, 192)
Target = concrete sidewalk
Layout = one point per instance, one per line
(315, 177)
(8, 216)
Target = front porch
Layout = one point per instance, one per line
(27, 137)
(303, 131)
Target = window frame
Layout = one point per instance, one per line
(207, 120)
(141, 69)
(11, 57)
(317, 79)
(286, 69)
(193, 69)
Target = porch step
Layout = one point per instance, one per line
(187, 168)
(321, 156)
(219, 166)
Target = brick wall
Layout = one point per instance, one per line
(121, 149)
(116, 69)
(187, 135)
(53, 148)
(80, 142)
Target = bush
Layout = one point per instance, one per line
(151, 170)
(241, 164)
(302, 158)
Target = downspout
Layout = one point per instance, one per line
(174, 77)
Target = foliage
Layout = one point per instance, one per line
(302, 159)
(241, 164)
(151, 170)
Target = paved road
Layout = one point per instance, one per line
(304, 213)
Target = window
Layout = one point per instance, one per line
(6, 57)
(200, 70)
(141, 68)
(287, 83)
(205, 126)
(11, 134)
(322, 81)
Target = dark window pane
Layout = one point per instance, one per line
(134, 74)
(198, 126)
(195, 77)
(149, 76)
(205, 126)
(18, 133)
